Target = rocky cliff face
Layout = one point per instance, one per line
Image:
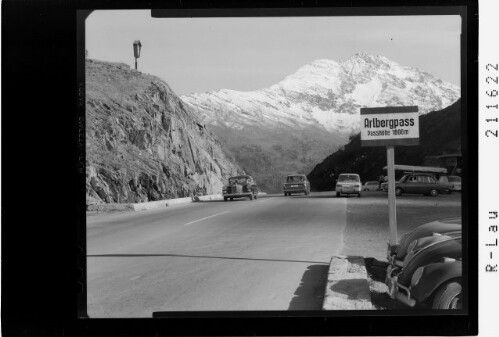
(143, 143)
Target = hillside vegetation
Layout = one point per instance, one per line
(439, 132)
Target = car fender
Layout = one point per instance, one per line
(435, 252)
(439, 226)
(435, 275)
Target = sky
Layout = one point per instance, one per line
(209, 54)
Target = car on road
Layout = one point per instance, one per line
(430, 275)
(240, 187)
(296, 183)
(348, 183)
(420, 183)
(370, 186)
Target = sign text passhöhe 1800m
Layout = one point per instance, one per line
(389, 126)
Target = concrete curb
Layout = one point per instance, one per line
(209, 197)
(347, 286)
(144, 206)
(110, 207)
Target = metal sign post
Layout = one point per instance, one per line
(392, 206)
(389, 126)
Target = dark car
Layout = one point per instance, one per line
(448, 227)
(240, 187)
(430, 275)
(296, 183)
(420, 183)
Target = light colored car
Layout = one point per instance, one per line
(348, 183)
(456, 181)
(371, 186)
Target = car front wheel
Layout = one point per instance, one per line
(398, 191)
(434, 193)
(337, 194)
(359, 195)
(449, 296)
(225, 198)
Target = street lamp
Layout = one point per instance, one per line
(136, 51)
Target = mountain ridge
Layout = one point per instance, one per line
(320, 102)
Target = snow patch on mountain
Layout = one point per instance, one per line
(326, 94)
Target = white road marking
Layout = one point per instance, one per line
(211, 216)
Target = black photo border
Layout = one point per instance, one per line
(43, 283)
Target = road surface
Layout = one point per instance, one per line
(266, 254)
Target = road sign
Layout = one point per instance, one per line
(389, 126)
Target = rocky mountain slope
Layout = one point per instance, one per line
(143, 143)
(297, 122)
(440, 133)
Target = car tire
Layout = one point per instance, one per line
(231, 199)
(358, 195)
(337, 194)
(434, 193)
(256, 196)
(251, 197)
(398, 191)
(225, 198)
(448, 296)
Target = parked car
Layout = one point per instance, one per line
(371, 186)
(430, 275)
(456, 181)
(296, 183)
(348, 183)
(451, 227)
(384, 186)
(420, 183)
(446, 180)
(239, 187)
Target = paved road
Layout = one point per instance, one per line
(266, 254)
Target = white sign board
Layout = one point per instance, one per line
(389, 126)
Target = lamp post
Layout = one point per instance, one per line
(136, 51)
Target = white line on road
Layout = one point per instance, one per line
(211, 216)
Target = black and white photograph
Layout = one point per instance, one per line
(274, 164)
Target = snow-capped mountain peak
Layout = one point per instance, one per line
(328, 94)
(295, 123)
